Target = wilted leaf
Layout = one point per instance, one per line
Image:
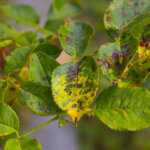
(121, 108)
(74, 86)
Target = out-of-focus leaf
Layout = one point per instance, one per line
(7, 31)
(41, 68)
(53, 25)
(121, 108)
(3, 87)
(49, 49)
(25, 38)
(9, 122)
(74, 36)
(24, 143)
(62, 122)
(38, 98)
(24, 15)
(62, 9)
(122, 14)
(5, 43)
(74, 86)
(17, 59)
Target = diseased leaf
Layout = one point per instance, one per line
(3, 87)
(110, 62)
(41, 68)
(24, 143)
(24, 15)
(121, 108)
(49, 49)
(9, 122)
(17, 59)
(74, 86)
(74, 36)
(38, 98)
(136, 73)
(59, 11)
(7, 31)
(123, 14)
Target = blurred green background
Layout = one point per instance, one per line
(91, 134)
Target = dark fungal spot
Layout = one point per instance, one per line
(93, 68)
(79, 102)
(108, 19)
(117, 33)
(124, 108)
(136, 4)
(75, 120)
(69, 40)
(44, 78)
(148, 69)
(74, 105)
(115, 82)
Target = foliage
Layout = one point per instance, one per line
(28, 64)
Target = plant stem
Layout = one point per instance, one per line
(41, 126)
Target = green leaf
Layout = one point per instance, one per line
(17, 59)
(9, 122)
(25, 38)
(62, 9)
(24, 143)
(5, 43)
(41, 68)
(122, 14)
(74, 36)
(138, 29)
(6, 130)
(3, 87)
(7, 31)
(49, 49)
(24, 15)
(53, 25)
(38, 98)
(62, 122)
(121, 108)
(74, 86)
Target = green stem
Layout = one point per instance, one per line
(41, 126)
